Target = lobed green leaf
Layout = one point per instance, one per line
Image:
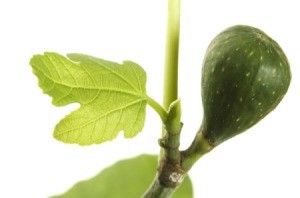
(112, 96)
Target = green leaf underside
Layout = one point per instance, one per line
(126, 179)
(112, 96)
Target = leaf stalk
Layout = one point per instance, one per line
(158, 108)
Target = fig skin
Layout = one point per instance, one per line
(245, 75)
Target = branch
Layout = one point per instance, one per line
(169, 173)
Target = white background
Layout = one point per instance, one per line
(263, 162)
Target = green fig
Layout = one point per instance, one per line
(245, 75)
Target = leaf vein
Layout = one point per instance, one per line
(136, 117)
(101, 116)
(117, 74)
(89, 74)
(53, 65)
(97, 88)
(138, 79)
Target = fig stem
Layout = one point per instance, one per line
(170, 174)
(199, 147)
(170, 92)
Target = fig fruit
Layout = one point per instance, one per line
(245, 75)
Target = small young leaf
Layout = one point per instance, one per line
(174, 125)
(112, 96)
(126, 178)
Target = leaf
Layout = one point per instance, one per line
(127, 178)
(112, 96)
